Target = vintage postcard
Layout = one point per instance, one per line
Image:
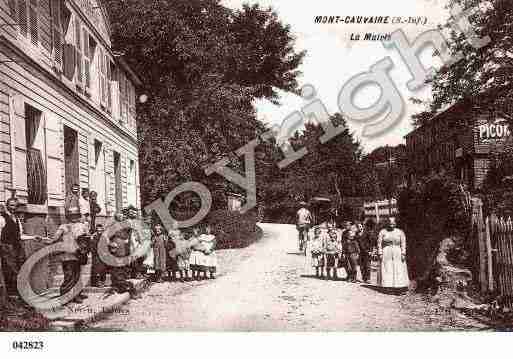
(255, 166)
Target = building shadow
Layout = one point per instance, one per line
(296, 254)
(313, 276)
(389, 291)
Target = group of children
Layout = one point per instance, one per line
(192, 254)
(170, 253)
(331, 249)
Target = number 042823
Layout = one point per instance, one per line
(27, 345)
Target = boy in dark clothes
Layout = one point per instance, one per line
(352, 252)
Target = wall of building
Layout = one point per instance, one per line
(28, 78)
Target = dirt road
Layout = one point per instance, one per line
(267, 288)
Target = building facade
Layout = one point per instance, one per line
(380, 210)
(67, 109)
(460, 142)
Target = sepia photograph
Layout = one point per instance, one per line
(255, 166)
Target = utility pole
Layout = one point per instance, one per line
(389, 194)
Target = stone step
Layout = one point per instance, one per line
(100, 303)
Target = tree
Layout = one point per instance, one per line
(485, 71)
(202, 65)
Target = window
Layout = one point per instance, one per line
(87, 59)
(36, 171)
(108, 79)
(12, 8)
(122, 97)
(71, 158)
(98, 181)
(34, 34)
(102, 77)
(78, 49)
(118, 191)
(94, 70)
(57, 38)
(27, 11)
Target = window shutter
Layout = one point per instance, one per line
(19, 157)
(33, 15)
(12, 9)
(69, 61)
(22, 12)
(78, 49)
(92, 156)
(87, 60)
(107, 83)
(114, 85)
(55, 159)
(56, 33)
(127, 96)
(137, 184)
(103, 86)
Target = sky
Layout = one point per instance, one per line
(332, 58)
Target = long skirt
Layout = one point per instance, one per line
(160, 255)
(392, 271)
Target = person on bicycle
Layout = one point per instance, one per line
(303, 223)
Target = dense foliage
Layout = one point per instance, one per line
(430, 212)
(202, 65)
(498, 186)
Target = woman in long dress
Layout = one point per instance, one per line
(159, 252)
(392, 271)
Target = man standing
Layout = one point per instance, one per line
(94, 209)
(303, 224)
(72, 201)
(136, 241)
(69, 234)
(365, 239)
(11, 250)
(98, 268)
(119, 246)
(85, 207)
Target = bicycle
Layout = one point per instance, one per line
(302, 237)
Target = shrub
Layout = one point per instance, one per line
(429, 213)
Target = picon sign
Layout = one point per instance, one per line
(497, 130)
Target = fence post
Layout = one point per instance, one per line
(477, 214)
(489, 255)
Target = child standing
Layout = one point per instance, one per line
(316, 249)
(182, 253)
(98, 268)
(197, 259)
(172, 263)
(331, 250)
(209, 242)
(352, 252)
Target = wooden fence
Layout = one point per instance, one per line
(499, 235)
(495, 238)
